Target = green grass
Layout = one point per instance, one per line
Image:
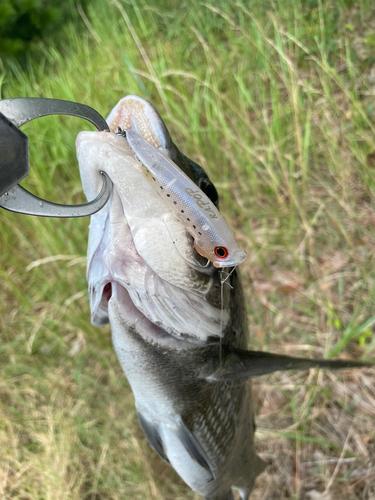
(275, 101)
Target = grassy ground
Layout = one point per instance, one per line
(276, 101)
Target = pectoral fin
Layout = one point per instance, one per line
(153, 437)
(237, 364)
(193, 447)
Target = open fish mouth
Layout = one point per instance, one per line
(139, 254)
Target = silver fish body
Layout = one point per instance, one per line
(179, 334)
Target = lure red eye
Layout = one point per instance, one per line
(221, 252)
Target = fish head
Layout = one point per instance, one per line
(138, 250)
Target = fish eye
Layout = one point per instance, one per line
(209, 190)
(221, 252)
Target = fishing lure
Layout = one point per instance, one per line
(212, 237)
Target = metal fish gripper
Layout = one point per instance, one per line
(14, 156)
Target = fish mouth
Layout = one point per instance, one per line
(138, 251)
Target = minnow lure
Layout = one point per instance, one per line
(212, 237)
